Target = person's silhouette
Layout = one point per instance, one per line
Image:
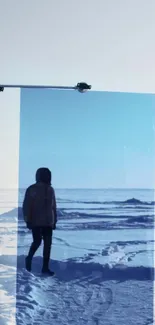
(40, 215)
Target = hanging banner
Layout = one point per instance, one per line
(85, 233)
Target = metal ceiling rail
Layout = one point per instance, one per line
(81, 87)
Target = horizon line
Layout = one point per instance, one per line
(85, 188)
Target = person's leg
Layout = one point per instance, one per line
(37, 238)
(47, 238)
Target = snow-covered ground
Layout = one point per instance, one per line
(102, 255)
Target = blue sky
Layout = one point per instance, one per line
(91, 140)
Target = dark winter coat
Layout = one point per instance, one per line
(39, 205)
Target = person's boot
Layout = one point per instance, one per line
(45, 268)
(28, 262)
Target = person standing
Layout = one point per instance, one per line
(40, 215)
